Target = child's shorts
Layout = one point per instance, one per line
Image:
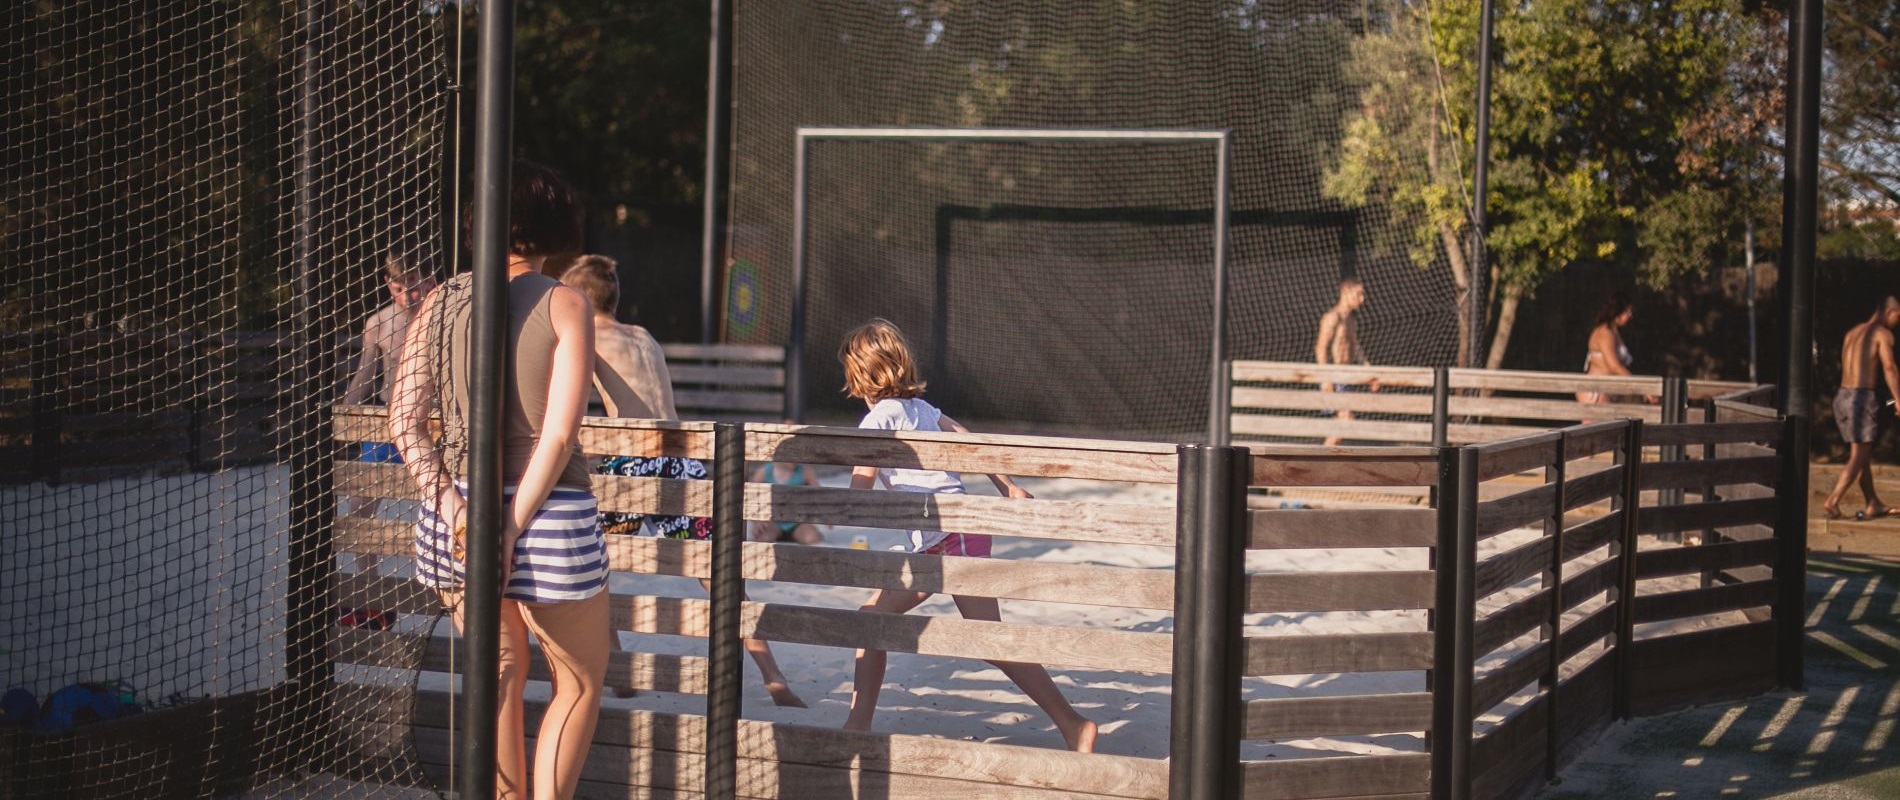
(974, 545)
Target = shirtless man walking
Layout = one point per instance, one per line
(1339, 341)
(1866, 355)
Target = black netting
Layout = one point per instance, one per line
(196, 201)
(1076, 294)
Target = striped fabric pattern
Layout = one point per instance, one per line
(560, 558)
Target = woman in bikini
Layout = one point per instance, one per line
(1608, 354)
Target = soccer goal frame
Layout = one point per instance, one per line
(1219, 139)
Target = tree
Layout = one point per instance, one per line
(1605, 142)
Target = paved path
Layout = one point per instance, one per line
(1837, 741)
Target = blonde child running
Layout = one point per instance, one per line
(879, 370)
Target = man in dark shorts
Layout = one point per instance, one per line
(1866, 355)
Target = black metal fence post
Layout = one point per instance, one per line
(1791, 553)
(46, 374)
(1209, 599)
(1631, 504)
(1554, 583)
(494, 180)
(1675, 410)
(724, 650)
(1452, 645)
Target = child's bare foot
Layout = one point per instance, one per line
(1081, 738)
(852, 723)
(782, 695)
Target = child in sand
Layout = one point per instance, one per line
(879, 370)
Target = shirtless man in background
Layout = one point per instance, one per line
(1338, 341)
(1866, 355)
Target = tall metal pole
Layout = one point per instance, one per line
(712, 238)
(1799, 191)
(795, 344)
(1480, 188)
(725, 652)
(1218, 398)
(311, 562)
(494, 177)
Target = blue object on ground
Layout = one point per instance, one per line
(84, 703)
(19, 707)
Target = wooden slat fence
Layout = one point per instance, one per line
(1291, 401)
(1286, 650)
(1542, 596)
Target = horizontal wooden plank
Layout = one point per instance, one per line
(1689, 560)
(1343, 778)
(1327, 528)
(1583, 633)
(1551, 412)
(726, 376)
(1703, 389)
(1592, 487)
(1590, 582)
(1116, 523)
(1559, 383)
(1584, 441)
(1302, 717)
(1498, 684)
(787, 743)
(1697, 602)
(401, 595)
(1358, 466)
(606, 436)
(1516, 510)
(1747, 406)
(1511, 567)
(1705, 433)
(615, 493)
(765, 404)
(1294, 592)
(1246, 425)
(1300, 654)
(1710, 472)
(657, 672)
(1081, 648)
(1517, 454)
(1038, 456)
(375, 537)
(682, 351)
(1316, 400)
(1296, 372)
(1698, 516)
(1592, 534)
(1669, 672)
(1087, 584)
(1506, 624)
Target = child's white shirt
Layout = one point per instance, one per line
(912, 414)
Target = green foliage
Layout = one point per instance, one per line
(1617, 131)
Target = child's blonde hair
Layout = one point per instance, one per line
(877, 363)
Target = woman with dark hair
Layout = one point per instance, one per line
(554, 565)
(1608, 355)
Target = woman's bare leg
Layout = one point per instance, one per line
(775, 683)
(511, 764)
(867, 680)
(573, 638)
(1076, 729)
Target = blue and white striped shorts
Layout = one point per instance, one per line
(560, 558)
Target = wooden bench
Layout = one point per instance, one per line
(727, 382)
